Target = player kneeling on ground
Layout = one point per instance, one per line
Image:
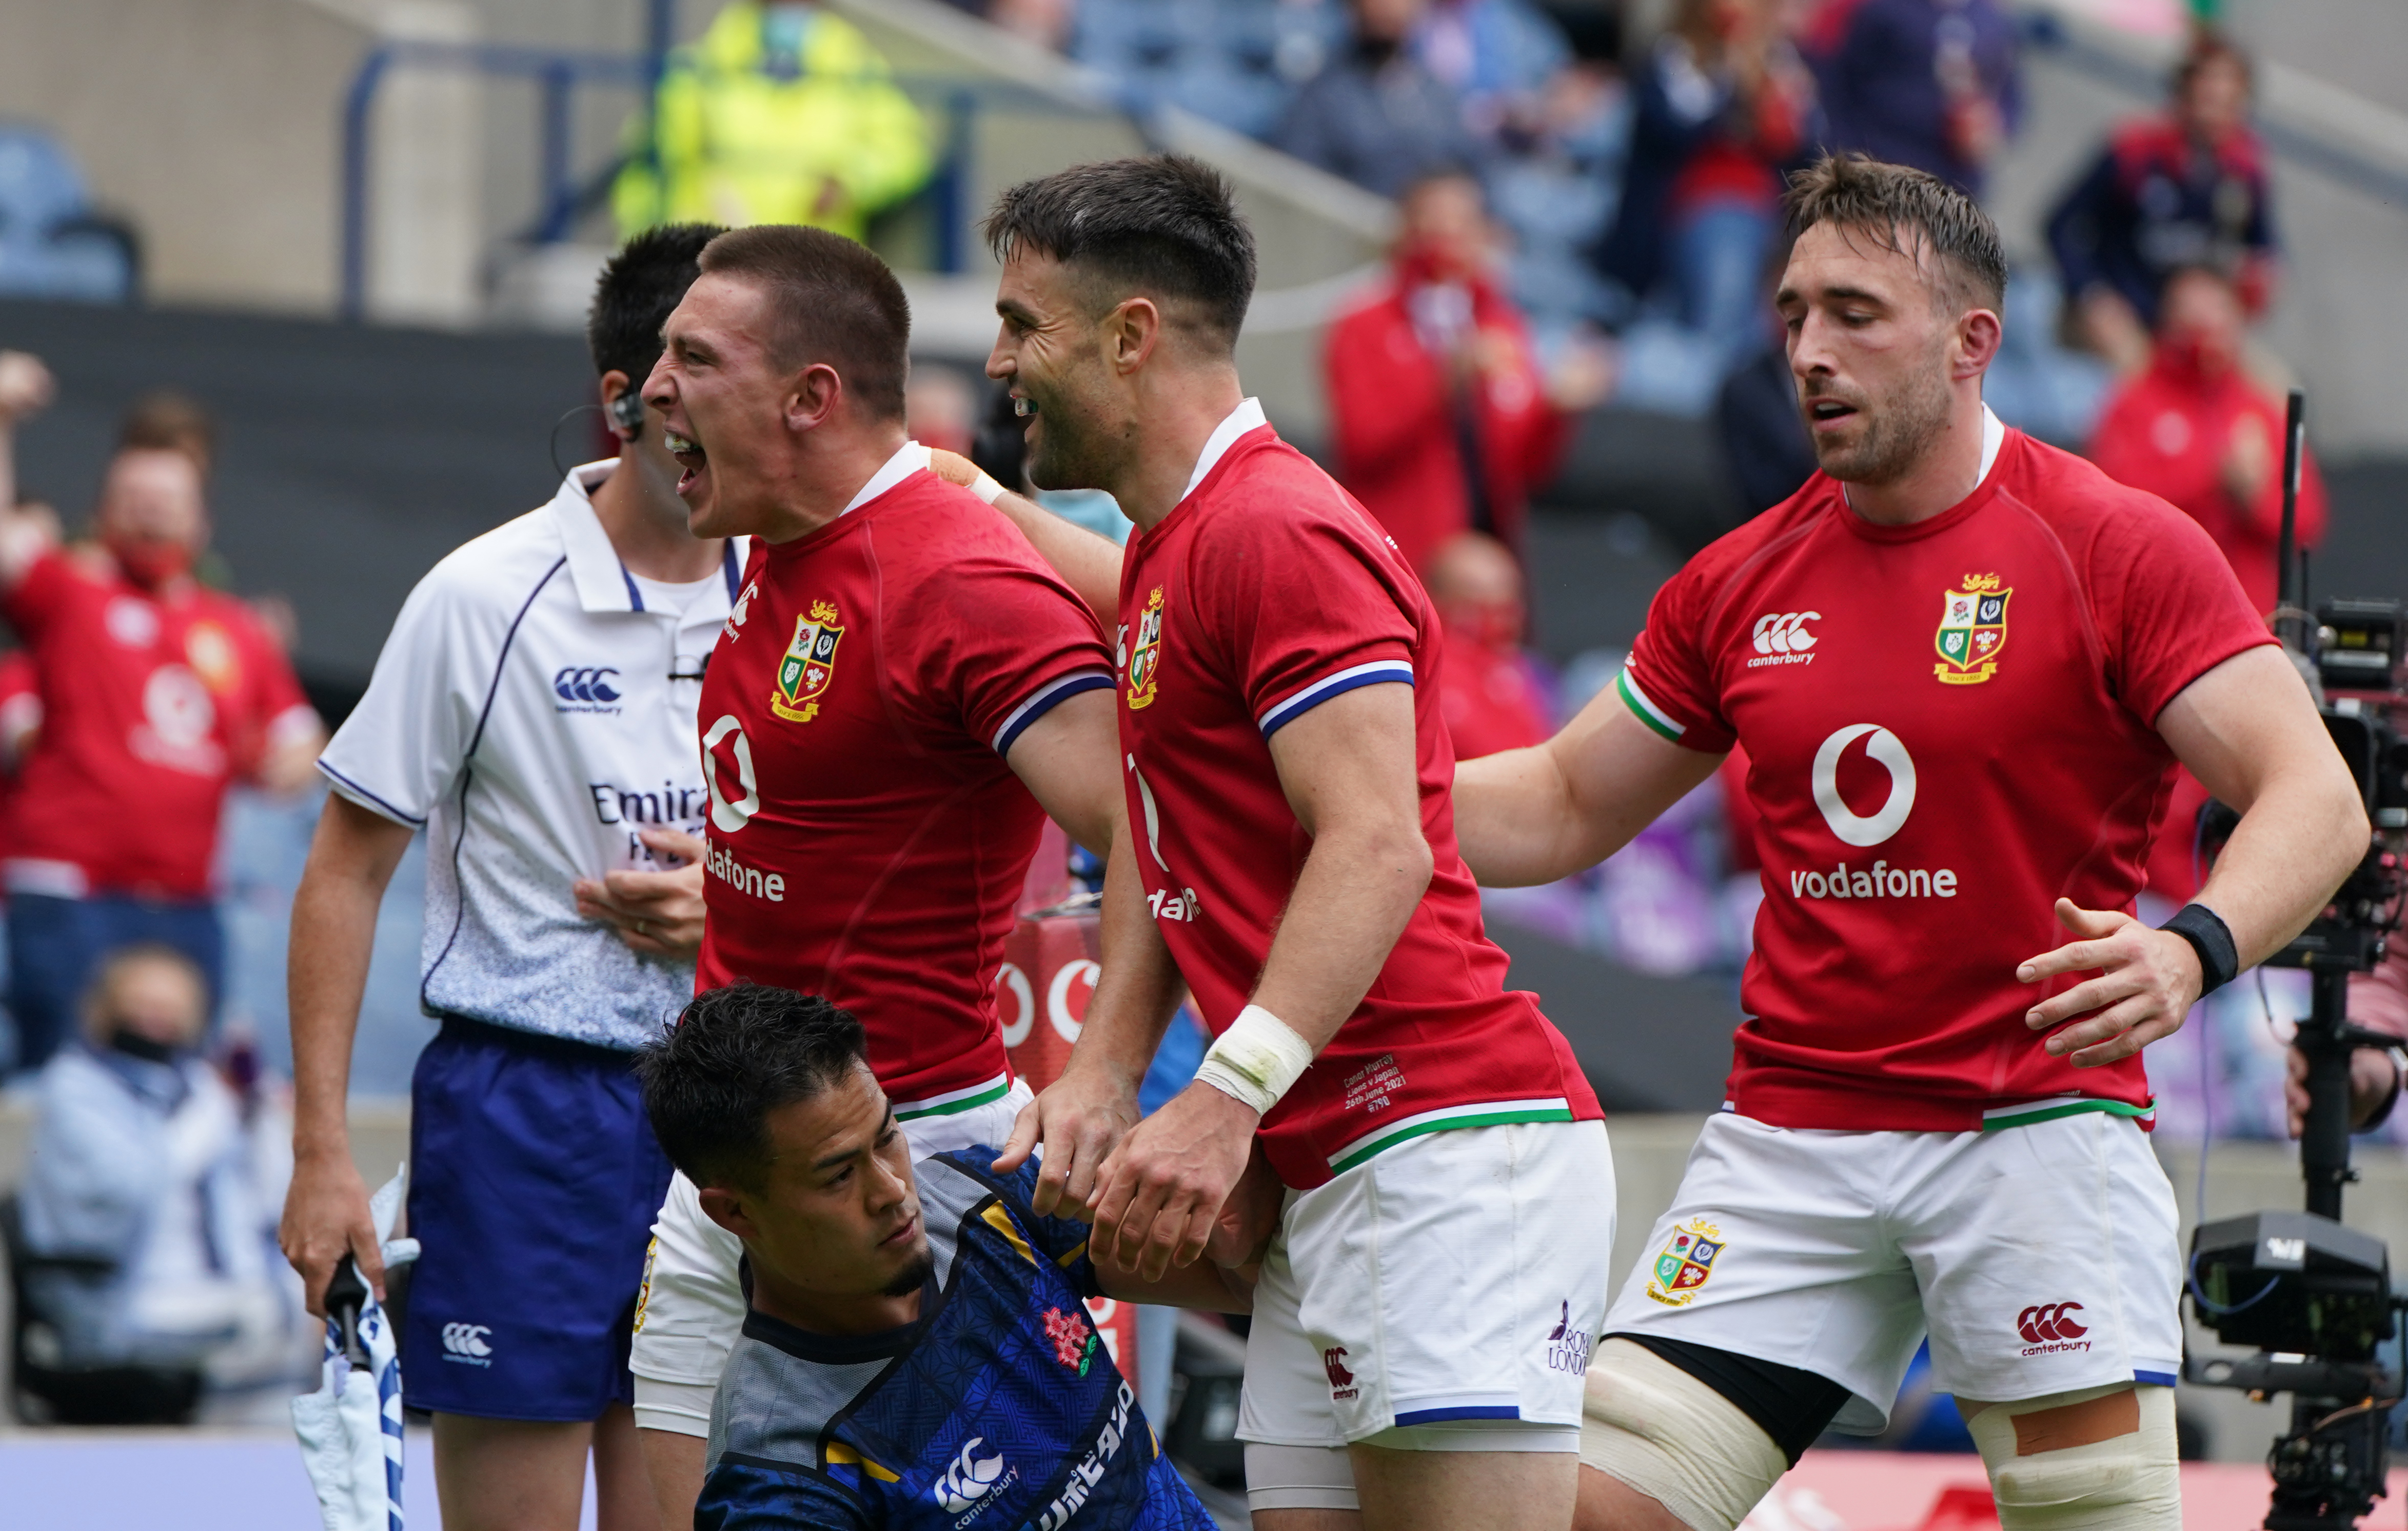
(917, 1352)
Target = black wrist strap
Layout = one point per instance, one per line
(2220, 962)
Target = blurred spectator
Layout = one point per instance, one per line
(1491, 691)
(156, 693)
(939, 408)
(782, 113)
(1441, 421)
(1763, 438)
(1929, 83)
(1375, 114)
(2196, 430)
(144, 1165)
(1237, 62)
(1555, 181)
(2185, 189)
(1723, 104)
(1498, 56)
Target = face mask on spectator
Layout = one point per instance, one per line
(134, 1044)
(2199, 354)
(1485, 624)
(148, 562)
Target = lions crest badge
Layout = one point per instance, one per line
(1685, 1263)
(1972, 631)
(1145, 660)
(807, 665)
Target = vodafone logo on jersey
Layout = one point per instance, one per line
(730, 814)
(1781, 638)
(1866, 830)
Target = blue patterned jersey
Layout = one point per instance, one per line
(998, 1409)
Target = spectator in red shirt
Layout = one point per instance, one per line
(1490, 693)
(2196, 429)
(1443, 419)
(157, 695)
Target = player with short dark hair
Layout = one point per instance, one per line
(1417, 1346)
(901, 695)
(1963, 665)
(915, 1352)
(534, 712)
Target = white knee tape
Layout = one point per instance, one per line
(1299, 1478)
(1660, 1431)
(2126, 1482)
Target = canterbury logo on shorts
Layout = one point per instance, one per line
(468, 1342)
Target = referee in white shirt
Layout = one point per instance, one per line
(534, 712)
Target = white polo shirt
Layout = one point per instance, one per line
(531, 711)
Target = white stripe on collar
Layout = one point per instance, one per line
(1247, 416)
(1994, 436)
(909, 458)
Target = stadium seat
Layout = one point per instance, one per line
(1234, 61)
(53, 243)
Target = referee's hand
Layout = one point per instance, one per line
(658, 914)
(2144, 981)
(326, 1217)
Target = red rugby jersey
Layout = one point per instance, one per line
(149, 709)
(1265, 592)
(868, 840)
(1948, 725)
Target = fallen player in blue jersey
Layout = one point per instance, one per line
(917, 1354)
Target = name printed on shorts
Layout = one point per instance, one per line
(1881, 881)
(723, 865)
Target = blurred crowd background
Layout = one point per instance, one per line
(303, 277)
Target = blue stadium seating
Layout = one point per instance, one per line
(52, 244)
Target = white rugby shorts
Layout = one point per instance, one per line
(691, 1309)
(2042, 1258)
(1443, 1293)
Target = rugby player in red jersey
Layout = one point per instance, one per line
(1963, 665)
(900, 695)
(1426, 1312)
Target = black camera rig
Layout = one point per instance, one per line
(2313, 1296)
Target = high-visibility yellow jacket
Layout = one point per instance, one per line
(820, 136)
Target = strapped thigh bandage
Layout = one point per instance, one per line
(2063, 1474)
(1299, 1478)
(1666, 1435)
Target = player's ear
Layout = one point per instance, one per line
(725, 1206)
(1979, 332)
(1131, 333)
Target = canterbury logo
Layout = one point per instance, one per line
(466, 1339)
(971, 1476)
(584, 684)
(2050, 1321)
(1784, 631)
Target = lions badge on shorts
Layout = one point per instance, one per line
(1686, 1263)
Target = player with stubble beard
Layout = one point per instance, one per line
(1417, 1342)
(1963, 665)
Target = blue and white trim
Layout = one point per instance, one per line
(1379, 672)
(1449, 1408)
(1649, 713)
(2155, 1379)
(1045, 700)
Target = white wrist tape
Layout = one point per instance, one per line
(1255, 1059)
(986, 487)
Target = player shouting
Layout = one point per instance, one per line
(1424, 1314)
(534, 711)
(1963, 665)
(900, 695)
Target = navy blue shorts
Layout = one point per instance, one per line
(533, 1181)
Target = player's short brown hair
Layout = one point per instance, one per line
(1899, 209)
(836, 303)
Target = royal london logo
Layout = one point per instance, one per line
(807, 665)
(1685, 1263)
(1972, 631)
(1145, 664)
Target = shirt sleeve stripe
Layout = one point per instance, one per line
(1649, 713)
(1047, 697)
(367, 799)
(1379, 672)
